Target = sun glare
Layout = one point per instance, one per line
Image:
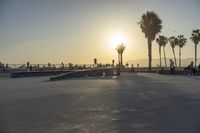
(118, 39)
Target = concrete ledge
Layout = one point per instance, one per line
(85, 73)
(4, 74)
(183, 72)
(36, 73)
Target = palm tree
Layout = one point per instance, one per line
(150, 24)
(196, 39)
(181, 42)
(165, 41)
(162, 41)
(120, 49)
(159, 41)
(173, 43)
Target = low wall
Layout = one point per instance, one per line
(178, 72)
(35, 73)
(4, 74)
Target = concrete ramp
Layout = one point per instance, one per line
(87, 73)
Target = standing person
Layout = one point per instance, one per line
(172, 66)
(28, 65)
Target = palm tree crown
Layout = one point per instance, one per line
(173, 41)
(120, 48)
(161, 40)
(150, 25)
(195, 36)
(181, 41)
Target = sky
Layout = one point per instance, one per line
(77, 31)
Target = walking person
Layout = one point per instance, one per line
(172, 66)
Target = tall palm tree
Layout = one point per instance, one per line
(162, 41)
(159, 41)
(181, 42)
(150, 24)
(173, 41)
(165, 41)
(120, 49)
(196, 39)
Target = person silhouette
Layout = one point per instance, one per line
(172, 66)
(192, 68)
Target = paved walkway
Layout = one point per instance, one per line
(132, 103)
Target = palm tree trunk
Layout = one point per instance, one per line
(179, 57)
(174, 57)
(195, 60)
(121, 60)
(164, 56)
(149, 52)
(160, 55)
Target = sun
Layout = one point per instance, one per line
(118, 39)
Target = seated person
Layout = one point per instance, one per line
(192, 68)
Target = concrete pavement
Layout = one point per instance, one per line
(131, 103)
